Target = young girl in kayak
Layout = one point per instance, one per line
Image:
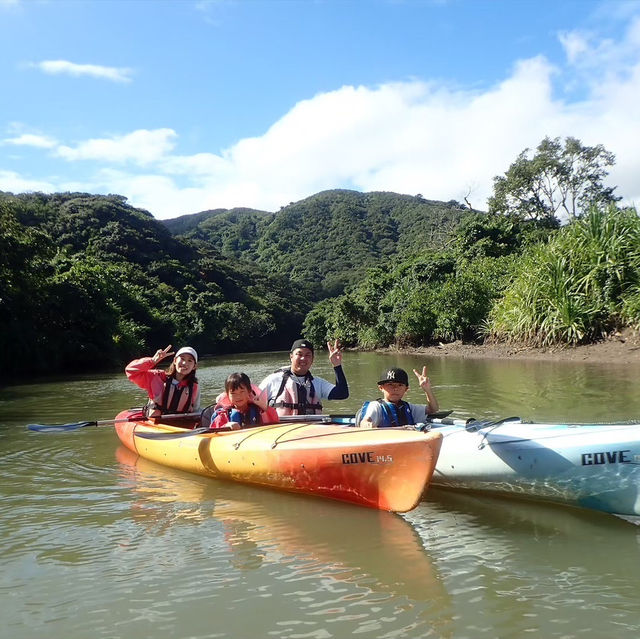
(391, 410)
(173, 391)
(241, 405)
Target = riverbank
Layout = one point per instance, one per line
(623, 348)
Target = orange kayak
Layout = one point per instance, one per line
(388, 469)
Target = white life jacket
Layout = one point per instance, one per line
(295, 399)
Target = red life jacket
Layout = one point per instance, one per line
(164, 396)
(176, 398)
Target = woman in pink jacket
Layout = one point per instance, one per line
(173, 391)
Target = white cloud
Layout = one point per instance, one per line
(159, 194)
(593, 58)
(141, 147)
(410, 137)
(198, 165)
(64, 67)
(12, 182)
(32, 139)
(575, 45)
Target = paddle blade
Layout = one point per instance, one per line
(343, 421)
(441, 414)
(57, 428)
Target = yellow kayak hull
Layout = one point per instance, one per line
(388, 469)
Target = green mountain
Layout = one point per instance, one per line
(207, 224)
(327, 241)
(89, 280)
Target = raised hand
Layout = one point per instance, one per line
(335, 353)
(162, 353)
(259, 400)
(423, 381)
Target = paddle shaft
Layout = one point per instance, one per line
(57, 428)
(449, 421)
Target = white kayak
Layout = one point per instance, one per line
(594, 466)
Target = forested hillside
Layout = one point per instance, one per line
(327, 241)
(234, 232)
(89, 281)
(513, 274)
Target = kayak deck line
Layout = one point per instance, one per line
(350, 431)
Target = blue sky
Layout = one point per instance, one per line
(187, 105)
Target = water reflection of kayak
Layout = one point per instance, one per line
(373, 549)
(387, 469)
(532, 568)
(495, 528)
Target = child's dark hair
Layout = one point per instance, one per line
(236, 380)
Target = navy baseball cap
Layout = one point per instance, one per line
(398, 375)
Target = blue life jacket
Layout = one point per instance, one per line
(392, 415)
(251, 418)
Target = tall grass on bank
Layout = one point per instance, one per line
(581, 285)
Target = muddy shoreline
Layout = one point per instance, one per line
(619, 349)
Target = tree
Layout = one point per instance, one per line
(558, 181)
(578, 287)
(482, 235)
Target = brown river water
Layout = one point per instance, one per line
(97, 543)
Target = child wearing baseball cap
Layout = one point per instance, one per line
(391, 409)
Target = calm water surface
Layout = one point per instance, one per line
(99, 543)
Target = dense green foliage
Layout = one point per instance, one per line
(233, 232)
(559, 180)
(578, 287)
(430, 296)
(89, 281)
(326, 242)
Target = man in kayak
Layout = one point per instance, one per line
(293, 390)
(391, 410)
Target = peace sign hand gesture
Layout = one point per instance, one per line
(423, 381)
(335, 353)
(425, 385)
(162, 354)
